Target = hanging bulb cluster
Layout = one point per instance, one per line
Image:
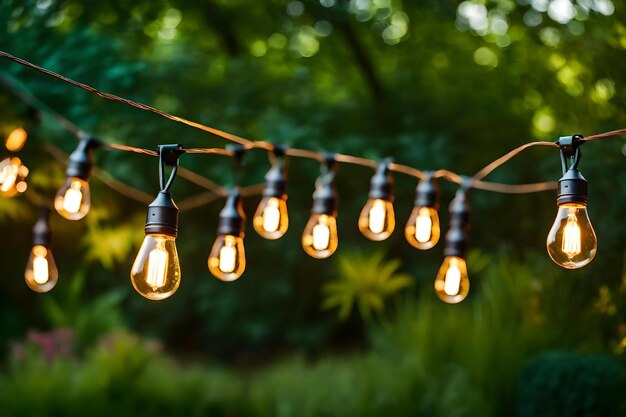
(572, 241)
(320, 238)
(73, 199)
(377, 220)
(41, 272)
(12, 177)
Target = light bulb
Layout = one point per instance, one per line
(422, 229)
(12, 177)
(452, 283)
(271, 219)
(156, 274)
(319, 238)
(572, 241)
(73, 199)
(156, 271)
(377, 220)
(41, 271)
(227, 260)
(16, 139)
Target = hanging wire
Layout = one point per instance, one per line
(304, 153)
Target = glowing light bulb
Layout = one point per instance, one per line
(572, 241)
(452, 283)
(377, 220)
(12, 177)
(319, 238)
(156, 271)
(41, 272)
(271, 219)
(73, 199)
(227, 260)
(422, 229)
(16, 139)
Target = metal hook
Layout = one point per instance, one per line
(168, 155)
(570, 148)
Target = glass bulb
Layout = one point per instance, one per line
(452, 283)
(271, 219)
(319, 238)
(227, 260)
(156, 271)
(12, 174)
(73, 199)
(422, 228)
(377, 219)
(572, 242)
(16, 140)
(41, 270)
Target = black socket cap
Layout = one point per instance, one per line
(162, 216)
(276, 182)
(381, 184)
(80, 163)
(457, 241)
(41, 229)
(325, 198)
(427, 193)
(573, 188)
(232, 217)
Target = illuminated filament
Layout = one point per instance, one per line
(377, 216)
(40, 265)
(452, 284)
(571, 236)
(73, 198)
(423, 225)
(228, 255)
(8, 176)
(321, 236)
(271, 216)
(157, 267)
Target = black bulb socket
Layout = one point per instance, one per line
(276, 182)
(41, 229)
(427, 194)
(457, 242)
(162, 216)
(325, 199)
(381, 184)
(232, 217)
(80, 163)
(573, 188)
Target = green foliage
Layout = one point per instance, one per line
(571, 385)
(90, 319)
(365, 281)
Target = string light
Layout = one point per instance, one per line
(73, 199)
(227, 260)
(271, 219)
(422, 229)
(12, 177)
(16, 140)
(155, 274)
(319, 238)
(452, 282)
(572, 241)
(41, 273)
(377, 220)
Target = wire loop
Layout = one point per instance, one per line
(168, 155)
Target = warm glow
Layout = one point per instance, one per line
(572, 241)
(423, 224)
(21, 186)
(157, 267)
(571, 235)
(40, 265)
(271, 216)
(16, 140)
(227, 261)
(377, 216)
(228, 257)
(73, 197)
(321, 236)
(156, 272)
(452, 283)
(8, 176)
